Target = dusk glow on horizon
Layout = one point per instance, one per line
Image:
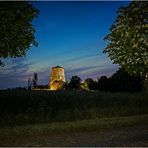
(69, 34)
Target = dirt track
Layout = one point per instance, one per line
(131, 136)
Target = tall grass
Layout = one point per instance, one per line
(27, 107)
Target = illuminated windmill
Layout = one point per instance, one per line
(57, 78)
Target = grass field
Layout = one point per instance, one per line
(73, 118)
(115, 131)
(30, 107)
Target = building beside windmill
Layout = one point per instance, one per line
(57, 78)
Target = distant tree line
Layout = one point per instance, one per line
(120, 81)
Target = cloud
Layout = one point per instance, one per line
(92, 71)
(15, 73)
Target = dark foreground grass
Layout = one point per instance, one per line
(76, 126)
(25, 134)
(32, 107)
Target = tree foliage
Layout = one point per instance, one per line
(103, 83)
(128, 38)
(89, 83)
(16, 28)
(121, 81)
(75, 82)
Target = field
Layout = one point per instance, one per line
(39, 114)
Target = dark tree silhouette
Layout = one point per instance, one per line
(29, 83)
(121, 81)
(16, 29)
(103, 83)
(90, 83)
(75, 83)
(65, 85)
(34, 80)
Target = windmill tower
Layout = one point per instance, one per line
(57, 78)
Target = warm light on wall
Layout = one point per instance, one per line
(57, 78)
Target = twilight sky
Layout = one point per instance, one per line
(69, 34)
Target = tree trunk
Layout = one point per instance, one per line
(146, 82)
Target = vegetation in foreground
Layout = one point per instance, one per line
(30, 107)
(76, 126)
(115, 131)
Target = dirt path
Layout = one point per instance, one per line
(131, 136)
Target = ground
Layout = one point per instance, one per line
(133, 134)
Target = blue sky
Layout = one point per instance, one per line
(69, 34)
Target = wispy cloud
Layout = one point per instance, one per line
(18, 70)
(15, 73)
(92, 71)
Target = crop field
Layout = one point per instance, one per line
(31, 107)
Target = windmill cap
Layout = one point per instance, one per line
(57, 67)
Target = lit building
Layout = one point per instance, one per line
(57, 78)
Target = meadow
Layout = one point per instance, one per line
(25, 107)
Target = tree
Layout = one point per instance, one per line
(75, 82)
(34, 80)
(103, 83)
(65, 85)
(89, 83)
(121, 81)
(16, 28)
(128, 38)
